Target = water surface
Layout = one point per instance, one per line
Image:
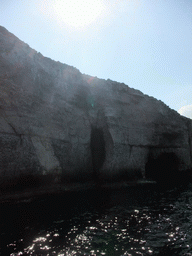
(138, 220)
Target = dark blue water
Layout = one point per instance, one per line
(138, 220)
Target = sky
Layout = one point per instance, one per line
(146, 44)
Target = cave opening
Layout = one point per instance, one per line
(163, 169)
(97, 150)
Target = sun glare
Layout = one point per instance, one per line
(78, 13)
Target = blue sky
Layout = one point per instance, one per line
(146, 44)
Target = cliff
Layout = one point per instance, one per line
(56, 122)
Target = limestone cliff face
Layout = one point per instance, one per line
(53, 119)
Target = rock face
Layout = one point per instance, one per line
(56, 121)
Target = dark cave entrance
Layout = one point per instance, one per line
(163, 169)
(97, 150)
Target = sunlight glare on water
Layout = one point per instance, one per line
(134, 221)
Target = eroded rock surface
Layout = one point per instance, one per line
(56, 121)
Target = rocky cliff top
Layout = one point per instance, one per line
(20, 62)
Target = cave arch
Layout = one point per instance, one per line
(164, 168)
(98, 152)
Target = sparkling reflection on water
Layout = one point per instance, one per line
(138, 220)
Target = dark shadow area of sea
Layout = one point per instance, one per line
(139, 219)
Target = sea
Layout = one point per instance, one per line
(140, 219)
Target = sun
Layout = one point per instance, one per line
(78, 13)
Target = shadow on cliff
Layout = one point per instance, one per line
(98, 152)
(21, 182)
(165, 170)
